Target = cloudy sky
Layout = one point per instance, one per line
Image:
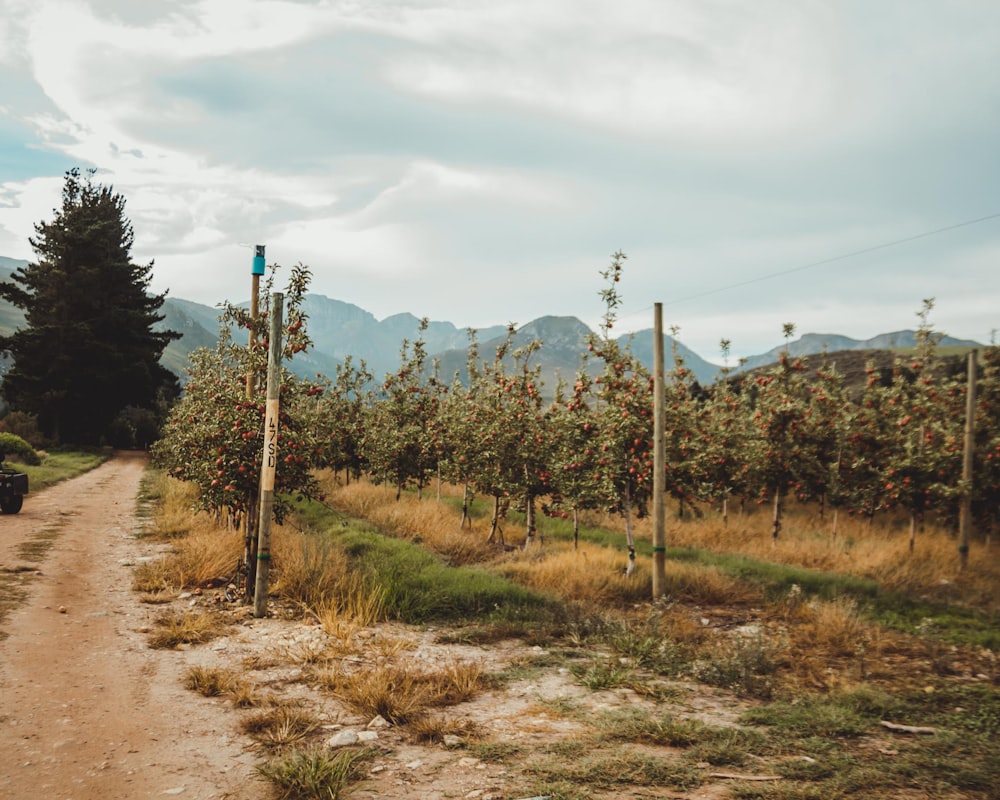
(828, 163)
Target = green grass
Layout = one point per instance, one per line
(61, 465)
(418, 586)
(315, 774)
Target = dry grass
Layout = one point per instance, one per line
(192, 628)
(280, 726)
(433, 524)
(216, 682)
(878, 550)
(401, 693)
(433, 728)
(206, 554)
(590, 574)
(306, 569)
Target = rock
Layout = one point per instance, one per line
(378, 722)
(367, 736)
(62, 609)
(451, 740)
(342, 739)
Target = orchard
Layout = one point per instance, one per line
(792, 430)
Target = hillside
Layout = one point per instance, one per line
(339, 329)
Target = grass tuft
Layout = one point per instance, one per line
(315, 774)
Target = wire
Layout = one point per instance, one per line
(852, 254)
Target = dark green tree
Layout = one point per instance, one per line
(88, 349)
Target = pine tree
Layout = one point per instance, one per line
(88, 349)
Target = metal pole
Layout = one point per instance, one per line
(270, 456)
(659, 458)
(965, 513)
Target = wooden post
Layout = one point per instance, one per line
(269, 461)
(965, 514)
(659, 458)
(249, 520)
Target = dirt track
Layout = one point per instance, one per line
(87, 710)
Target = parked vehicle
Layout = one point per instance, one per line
(13, 488)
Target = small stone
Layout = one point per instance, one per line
(342, 739)
(367, 736)
(379, 722)
(62, 609)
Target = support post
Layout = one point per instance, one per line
(269, 461)
(965, 513)
(255, 272)
(659, 458)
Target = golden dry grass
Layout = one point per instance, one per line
(206, 552)
(878, 550)
(433, 524)
(591, 573)
(403, 692)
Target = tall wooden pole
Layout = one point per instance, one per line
(269, 461)
(965, 514)
(249, 521)
(659, 458)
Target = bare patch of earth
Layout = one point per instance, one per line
(90, 711)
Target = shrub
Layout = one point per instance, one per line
(25, 425)
(13, 445)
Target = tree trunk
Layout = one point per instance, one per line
(576, 528)
(529, 513)
(465, 508)
(776, 520)
(628, 533)
(496, 532)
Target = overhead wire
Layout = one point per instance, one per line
(833, 259)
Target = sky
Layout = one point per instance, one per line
(825, 163)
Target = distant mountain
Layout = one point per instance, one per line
(340, 329)
(642, 346)
(812, 344)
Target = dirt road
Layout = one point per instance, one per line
(87, 710)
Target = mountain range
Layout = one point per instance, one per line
(340, 329)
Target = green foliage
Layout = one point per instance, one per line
(16, 449)
(63, 465)
(400, 437)
(214, 436)
(315, 773)
(24, 425)
(88, 348)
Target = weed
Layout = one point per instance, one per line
(190, 628)
(315, 773)
(602, 673)
(624, 768)
(435, 727)
(211, 681)
(280, 726)
(743, 663)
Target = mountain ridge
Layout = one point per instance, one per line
(340, 329)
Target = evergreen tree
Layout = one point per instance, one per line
(88, 349)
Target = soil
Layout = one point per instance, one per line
(90, 711)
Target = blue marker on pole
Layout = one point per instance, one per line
(258, 260)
